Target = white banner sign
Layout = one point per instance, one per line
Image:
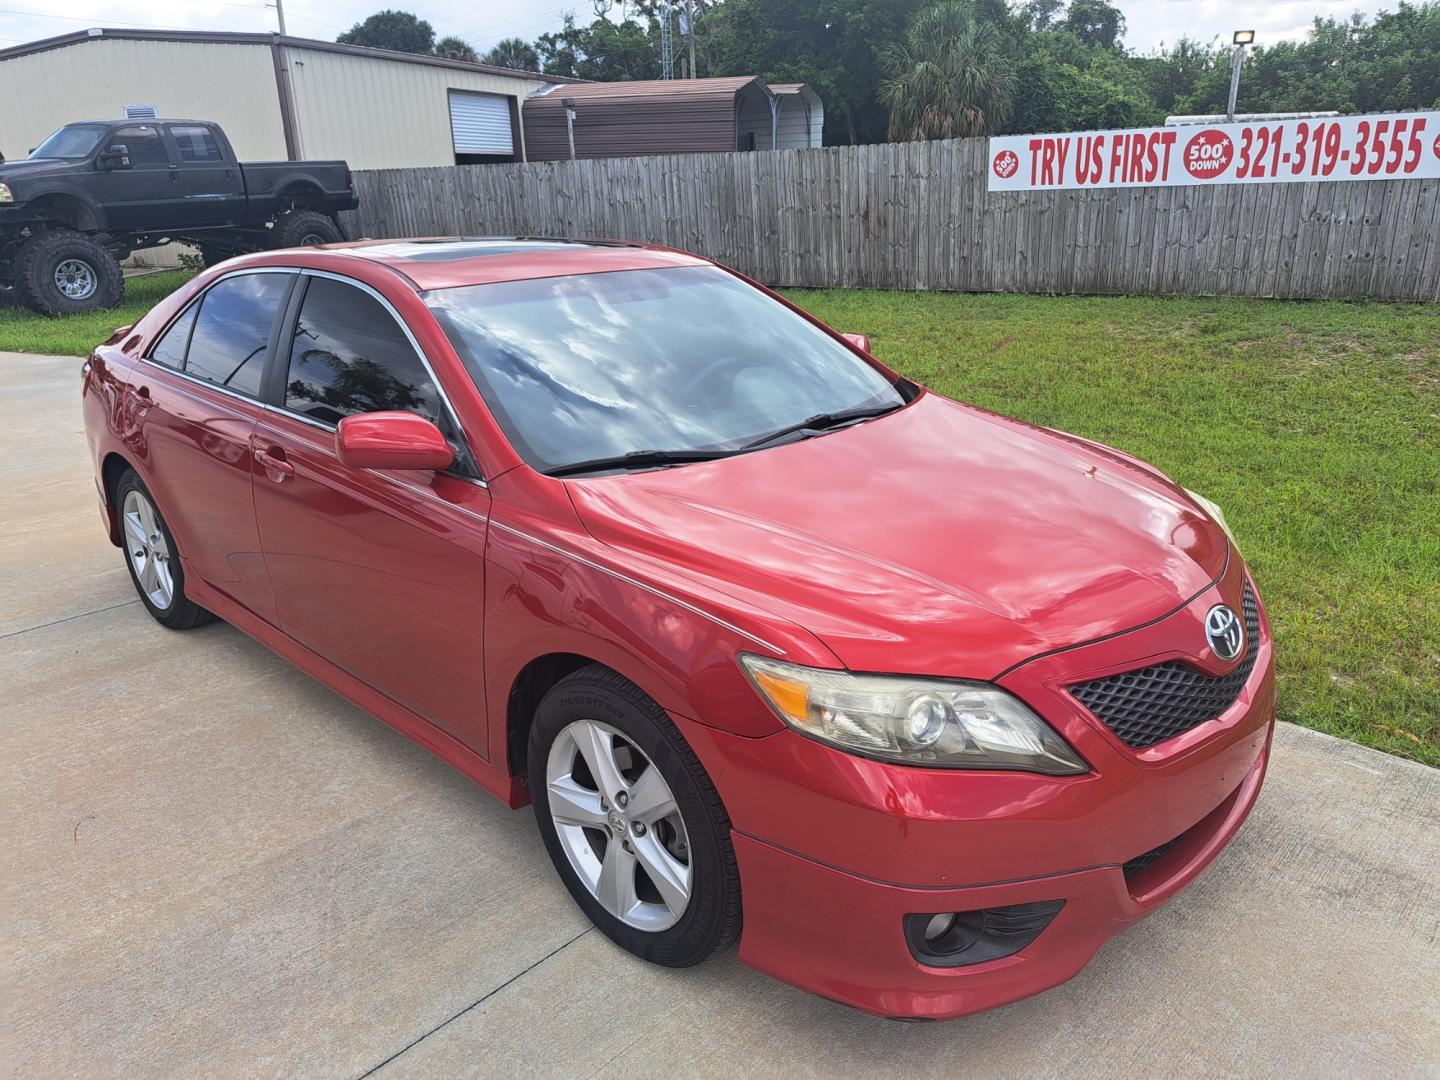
(1393, 146)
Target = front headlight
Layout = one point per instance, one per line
(5, 195)
(939, 723)
(1215, 512)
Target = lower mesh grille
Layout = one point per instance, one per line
(1141, 863)
(1155, 703)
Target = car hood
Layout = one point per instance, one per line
(939, 539)
(38, 168)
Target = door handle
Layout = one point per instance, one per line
(272, 460)
(143, 400)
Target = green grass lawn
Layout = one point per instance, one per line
(1316, 425)
(22, 330)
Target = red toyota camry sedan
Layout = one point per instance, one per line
(919, 703)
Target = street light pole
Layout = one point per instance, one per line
(1241, 39)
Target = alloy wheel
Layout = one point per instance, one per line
(147, 550)
(76, 279)
(619, 825)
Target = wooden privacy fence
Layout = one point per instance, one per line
(918, 216)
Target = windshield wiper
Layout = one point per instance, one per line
(639, 459)
(822, 421)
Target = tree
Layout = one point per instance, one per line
(454, 48)
(398, 30)
(1095, 22)
(514, 53)
(948, 77)
(833, 45)
(604, 51)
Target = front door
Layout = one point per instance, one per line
(196, 399)
(211, 187)
(144, 194)
(381, 573)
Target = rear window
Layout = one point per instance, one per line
(196, 143)
(232, 331)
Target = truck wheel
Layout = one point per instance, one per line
(66, 273)
(304, 228)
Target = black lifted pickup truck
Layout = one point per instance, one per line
(93, 192)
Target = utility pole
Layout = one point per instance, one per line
(1241, 39)
(279, 6)
(690, 33)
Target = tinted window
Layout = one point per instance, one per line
(143, 143)
(233, 330)
(196, 143)
(170, 349)
(690, 358)
(350, 356)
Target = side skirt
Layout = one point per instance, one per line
(448, 749)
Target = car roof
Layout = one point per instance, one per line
(450, 262)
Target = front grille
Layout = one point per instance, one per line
(1152, 704)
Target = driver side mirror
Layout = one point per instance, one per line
(392, 440)
(860, 341)
(117, 156)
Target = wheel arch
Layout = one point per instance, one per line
(527, 689)
(112, 467)
(62, 208)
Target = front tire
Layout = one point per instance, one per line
(153, 559)
(64, 272)
(632, 822)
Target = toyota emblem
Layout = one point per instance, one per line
(1225, 632)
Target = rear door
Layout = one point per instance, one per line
(147, 193)
(196, 397)
(381, 573)
(212, 189)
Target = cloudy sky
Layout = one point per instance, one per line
(483, 22)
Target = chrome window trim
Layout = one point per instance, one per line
(639, 585)
(194, 302)
(414, 344)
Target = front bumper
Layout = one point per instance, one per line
(835, 850)
(840, 935)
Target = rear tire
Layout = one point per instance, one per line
(64, 272)
(663, 833)
(152, 557)
(304, 228)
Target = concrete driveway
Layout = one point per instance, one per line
(214, 866)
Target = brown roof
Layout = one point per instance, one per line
(217, 37)
(631, 119)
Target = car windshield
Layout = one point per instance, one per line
(71, 141)
(684, 359)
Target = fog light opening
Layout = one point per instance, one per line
(959, 938)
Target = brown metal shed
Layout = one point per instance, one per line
(659, 116)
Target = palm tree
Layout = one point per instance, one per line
(454, 48)
(948, 76)
(513, 53)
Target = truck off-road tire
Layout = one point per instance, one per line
(65, 273)
(304, 228)
(632, 821)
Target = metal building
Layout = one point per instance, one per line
(277, 97)
(670, 116)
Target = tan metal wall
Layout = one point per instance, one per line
(380, 114)
(232, 84)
